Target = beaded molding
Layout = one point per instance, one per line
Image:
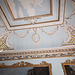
(33, 54)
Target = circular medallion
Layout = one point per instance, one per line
(35, 37)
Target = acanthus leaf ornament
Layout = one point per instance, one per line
(4, 42)
(71, 31)
(32, 20)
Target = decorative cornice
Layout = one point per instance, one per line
(69, 28)
(33, 54)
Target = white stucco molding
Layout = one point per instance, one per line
(64, 51)
(37, 25)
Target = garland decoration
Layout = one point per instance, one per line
(51, 32)
(21, 36)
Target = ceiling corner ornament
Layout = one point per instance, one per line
(69, 28)
(71, 39)
(4, 43)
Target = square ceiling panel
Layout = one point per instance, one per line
(21, 9)
(32, 13)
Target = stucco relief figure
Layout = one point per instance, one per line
(19, 8)
(28, 7)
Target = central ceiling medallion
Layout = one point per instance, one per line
(35, 37)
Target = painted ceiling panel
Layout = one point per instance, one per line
(54, 7)
(23, 8)
(37, 35)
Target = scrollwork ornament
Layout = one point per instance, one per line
(32, 20)
(71, 31)
(69, 28)
(4, 42)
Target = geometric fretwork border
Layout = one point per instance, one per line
(36, 54)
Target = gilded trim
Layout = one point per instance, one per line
(71, 31)
(16, 26)
(26, 64)
(68, 62)
(37, 54)
(51, 13)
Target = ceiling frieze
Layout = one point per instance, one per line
(41, 53)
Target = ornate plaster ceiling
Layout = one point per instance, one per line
(14, 13)
(53, 19)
